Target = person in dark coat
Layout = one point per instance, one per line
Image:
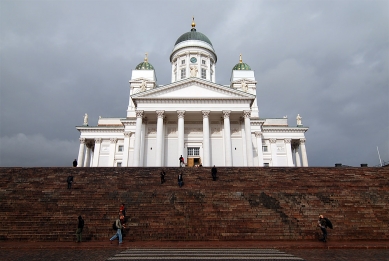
(214, 171)
(69, 180)
(180, 180)
(80, 227)
(322, 223)
(74, 163)
(162, 176)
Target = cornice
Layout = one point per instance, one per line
(283, 129)
(100, 129)
(189, 82)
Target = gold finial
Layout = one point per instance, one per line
(146, 59)
(240, 58)
(193, 23)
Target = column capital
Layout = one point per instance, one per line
(226, 114)
(205, 113)
(302, 141)
(139, 114)
(97, 140)
(258, 134)
(288, 140)
(246, 114)
(181, 114)
(273, 140)
(160, 113)
(113, 140)
(82, 140)
(127, 134)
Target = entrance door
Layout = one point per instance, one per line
(190, 162)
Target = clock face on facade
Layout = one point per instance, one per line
(193, 59)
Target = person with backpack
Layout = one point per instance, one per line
(80, 227)
(181, 159)
(323, 223)
(117, 225)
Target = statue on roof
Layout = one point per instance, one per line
(298, 118)
(193, 71)
(86, 119)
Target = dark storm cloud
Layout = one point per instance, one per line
(326, 60)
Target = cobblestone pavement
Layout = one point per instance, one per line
(102, 251)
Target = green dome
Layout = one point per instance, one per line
(193, 35)
(145, 65)
(241, 65)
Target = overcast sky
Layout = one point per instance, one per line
(325, 60)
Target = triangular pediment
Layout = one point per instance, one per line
(193, 88)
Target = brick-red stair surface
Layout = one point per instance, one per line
(242, 204)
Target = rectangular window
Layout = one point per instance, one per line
(203, 73)
(182, 61)
(266, 164)
(183, 73)
(120, 148)
(119, 164)
(203, 61)
(193, 151)
(264, 148)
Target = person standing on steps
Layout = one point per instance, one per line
(214, 171)
(181, 159)
(122, 210)
(118, 234)
(80, 227)
(69, 180)
(162, 176)
(180, 180)
(74, 163)
(322, 223)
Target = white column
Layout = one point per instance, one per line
(181, 133)
(206, 145)
(297, 154)
(304, 153)
(138, 130)
(126, 148)
(227, 138)
(81, 152)
(112, 151)
(258, 136)
(273, 147)
(249, 145)
(96, 154)
(88, 154)
(158, 159)
(289, 156)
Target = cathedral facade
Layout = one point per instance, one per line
(193, 116)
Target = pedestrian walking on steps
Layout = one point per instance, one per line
(322, 223)
(118, 226)
(80, 227)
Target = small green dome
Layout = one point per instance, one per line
(193, 35)
(145, 65)
(241, 65)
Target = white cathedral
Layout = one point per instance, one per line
(193, 116)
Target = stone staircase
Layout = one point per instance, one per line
(243, 204)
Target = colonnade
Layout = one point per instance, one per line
(89, 152)
(206, 159)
